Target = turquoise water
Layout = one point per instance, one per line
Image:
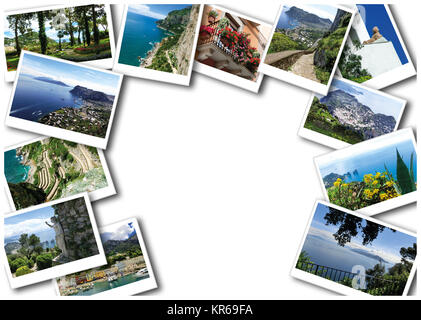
(373, 161)
(104, 286)
(140, 35)
(14, 170)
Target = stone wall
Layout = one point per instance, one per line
(74, 233)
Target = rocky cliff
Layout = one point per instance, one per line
(89, 94)
(74, 234)
(353, 114)
(308, 19)
(175, 19)
(337, 22)
(184, 46)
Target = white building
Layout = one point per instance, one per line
(377, 57)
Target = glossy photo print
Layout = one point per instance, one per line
(48, 169)
(63, 99)
(350, 113)
(157, 41)
(231, 46)
(81, 34)
(372, 176)
(306, 43)
(375, 53)
(346, 252)
(128, 270)
(51, 240)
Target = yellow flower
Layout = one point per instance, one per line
(383, 196)
(389, 183)
(337, 184)
(375, 182)
(378, 175)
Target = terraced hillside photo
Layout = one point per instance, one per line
(51, 169)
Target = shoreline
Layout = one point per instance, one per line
(28, 163)
(146, 62)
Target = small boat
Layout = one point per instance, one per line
(142, 272)
(112, 278)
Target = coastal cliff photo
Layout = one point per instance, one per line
(158, 38)
(56, 94)
(50, 169)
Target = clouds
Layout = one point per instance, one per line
(355, 247)
(31, 226)
(121, 233)
(145, 10)
(325, 12)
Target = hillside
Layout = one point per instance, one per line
(26, 39)
(175, 21)
(307, 19)
(112, 247)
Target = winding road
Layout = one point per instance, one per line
(304, 67)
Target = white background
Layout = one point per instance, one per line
(218, 177)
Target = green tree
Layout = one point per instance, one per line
(29, 245)
(22, 271)
(94, 25)
(41, 15)
(350, 226)
(19, 23)
(44, 261)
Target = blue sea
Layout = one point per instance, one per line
(285, 21)
(14, 170)
(140, 35)
(372, 162)
(329, 254)
(35, 98)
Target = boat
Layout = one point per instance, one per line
(112, 278)
(142, 272)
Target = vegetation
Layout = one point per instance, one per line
(350, 65)
(73, 178)
(86, 42)
(31, 256)
(281, 42)
(374, 188)
(320, 120)
(378, 280)
(160, 61)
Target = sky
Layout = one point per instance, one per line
(157, 11)
(387, 245)
(50, 32)
(334, 161)
(70, 74)
(376, 102)
(121, 232)
(375, 15)
(31, 222)
(323, 11)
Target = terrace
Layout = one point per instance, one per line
(212, 51)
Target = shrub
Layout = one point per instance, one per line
(18, 263)
(44, 261)
(280, 42)
(22, 271)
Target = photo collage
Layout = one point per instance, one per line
(67, 70)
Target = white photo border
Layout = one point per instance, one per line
(386, 205)
(395, 75)
(232, 79)
(299, 80)
(332, 285)
(336, 143)
(131, 288)
(151, 74)
(101, 63)
(95, 195)
(60, 133)
(60, 270)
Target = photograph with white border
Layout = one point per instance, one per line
(158, 41)
(230, 47)
(64, 35)
(375, 53)
(128, 271)
(306, 43)
(51, 240)
(63, 99)
(373, 176)
(46, 169)
(349, 253)
(349, 114)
